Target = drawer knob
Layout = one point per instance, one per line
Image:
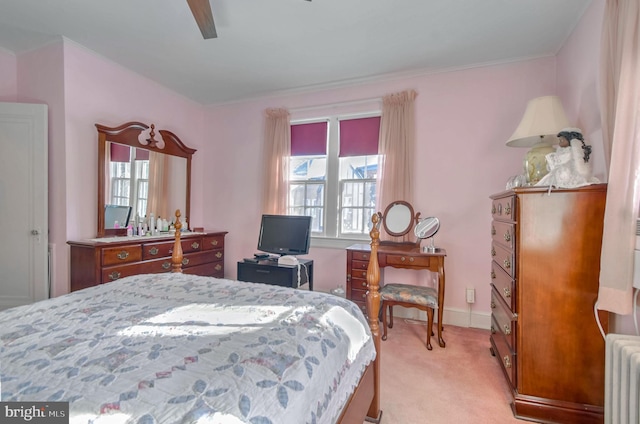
(507, 209)
(114, 275)
(499, 208)
(166, 265)
(153, 251)
(507, 292)
(219, 255)
(493, 230)
(348, 277)
(507, 329)
(195, 245)
(493, 252)
(214, 242)
(411, 259)
(365, 256)
(493, 209)
(185, 261)
(218, 267)
(493, 275)
(507, 263)
(364, 284)
(493, 304)
(123, 255)
(402, 259)
(507, 236)
(507, 361)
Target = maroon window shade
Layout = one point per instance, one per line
(359, 137)
(119, 153)
(142, 154)
(309, 139)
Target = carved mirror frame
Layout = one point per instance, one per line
(128, 134)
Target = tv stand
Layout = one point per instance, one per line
(269, 272)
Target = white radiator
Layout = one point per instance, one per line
(622, 379)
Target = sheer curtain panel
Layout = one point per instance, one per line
(620, 105)
(277, 149)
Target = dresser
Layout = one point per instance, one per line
(396, 256)
(96, 262)
(545, 267)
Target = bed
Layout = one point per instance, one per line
(177, 348)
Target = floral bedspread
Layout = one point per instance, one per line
(175, 348)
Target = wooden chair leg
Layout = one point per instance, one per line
(429, 327)
(390, 316)
(384, 321)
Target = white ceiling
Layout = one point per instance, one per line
(266, 47)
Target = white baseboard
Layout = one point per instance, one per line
(457, 317)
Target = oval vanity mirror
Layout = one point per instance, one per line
(427, 227)
(398, 218)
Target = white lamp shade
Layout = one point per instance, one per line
(543, 119)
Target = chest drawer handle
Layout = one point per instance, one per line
(493, 275)
(493, 209)
(364, 284)
(507, 292)
(493, 330)
(507, 361)
(214, 242)
(499, 208)
(153, 251)
(114, 275)
(507, 329)
(507, 209)
(219, 255)
(506, 263)
(493, 230)
(195, 245)
(493, 252)
(123, 255)
(493, 305)
(507, 236)
(185, 261)
(166, 265)
(218, 267)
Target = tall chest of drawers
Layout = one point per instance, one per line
(545, 267)
(96, 262)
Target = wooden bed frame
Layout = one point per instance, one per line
(364, 403)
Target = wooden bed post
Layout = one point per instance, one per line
(373, 308)
(176, 255)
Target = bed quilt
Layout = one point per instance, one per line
(175, 348)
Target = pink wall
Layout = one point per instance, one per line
(8, 76)
(463, 121)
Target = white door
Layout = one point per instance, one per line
(24, 275)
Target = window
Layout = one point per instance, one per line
(332, 174)
(129, 178)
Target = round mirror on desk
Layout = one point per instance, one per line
(427, 228)
(398, 218)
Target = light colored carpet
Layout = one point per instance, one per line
(461, 383)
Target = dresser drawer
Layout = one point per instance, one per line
(359, 295)
(504, 284)
(504, 233)
(359, 284)
(359, 265)
(503, 320)
(213, 242)
(114, 273)
(361, 256)
(121, 255)
(505, 356)
(503, 208)
(421, 261)
(211, 269)
(503, 257)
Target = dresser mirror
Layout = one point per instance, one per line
(137, 167)
(398, 220)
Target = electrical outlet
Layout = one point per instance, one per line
(471, 295)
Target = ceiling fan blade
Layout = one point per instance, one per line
(201, 10)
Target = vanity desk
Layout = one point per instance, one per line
(96, 262)
(396, 256)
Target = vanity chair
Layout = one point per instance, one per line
(398, 221)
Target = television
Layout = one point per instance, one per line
(285, 234)
(116, 213)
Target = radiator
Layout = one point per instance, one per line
(622, 379)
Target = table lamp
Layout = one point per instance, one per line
(542, 121)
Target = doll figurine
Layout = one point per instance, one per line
(569, 165)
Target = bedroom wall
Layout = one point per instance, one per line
(8, 76)
(463, 120)
(82, 89)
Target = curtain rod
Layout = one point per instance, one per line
(334, 105)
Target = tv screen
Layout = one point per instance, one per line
(285, 234)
